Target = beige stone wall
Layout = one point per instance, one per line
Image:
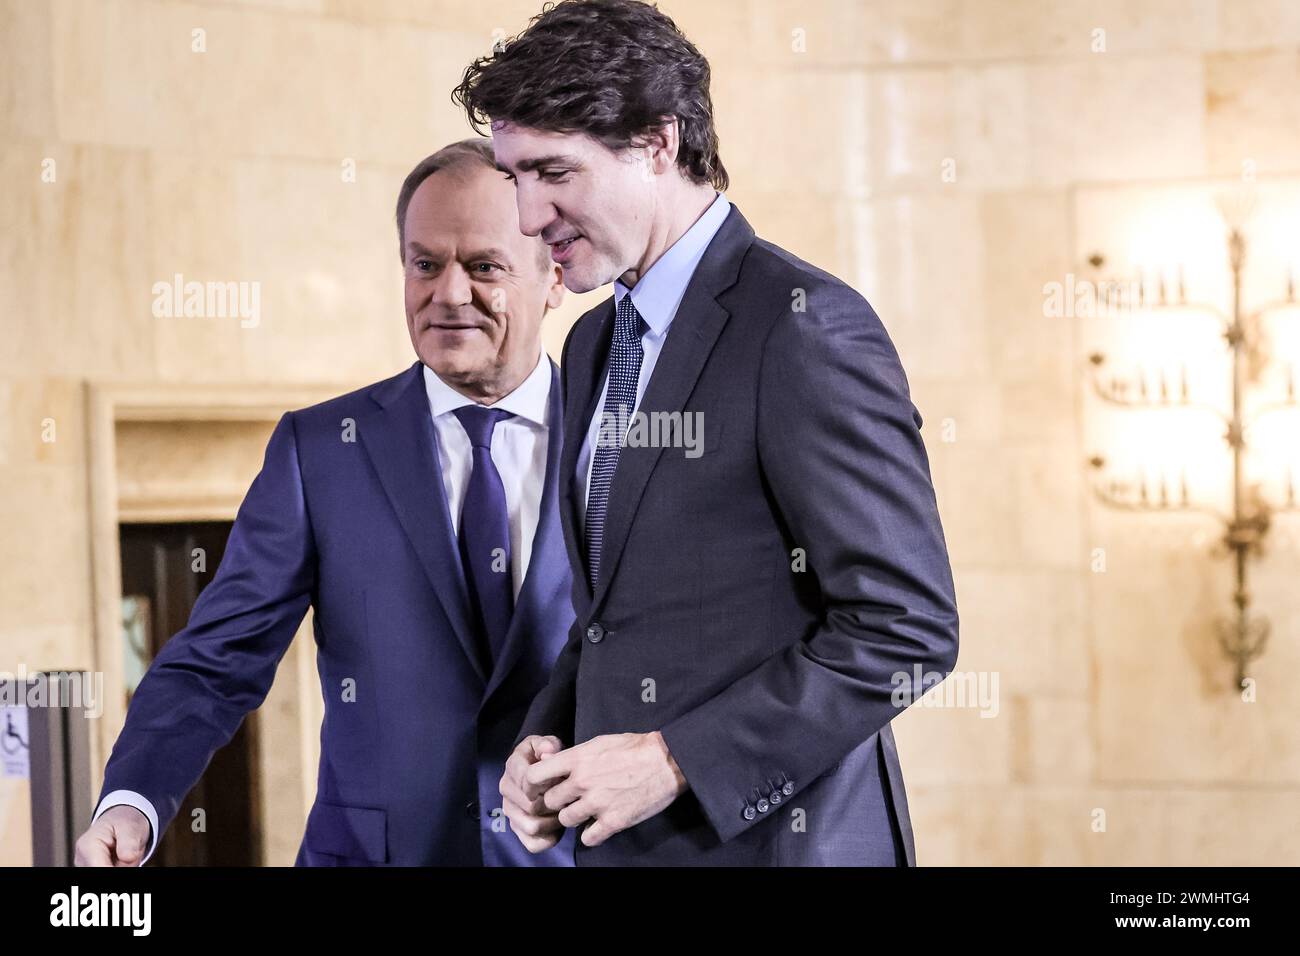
(947, 157)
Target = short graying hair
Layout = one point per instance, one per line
(475, 151)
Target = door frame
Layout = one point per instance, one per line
(106, 405)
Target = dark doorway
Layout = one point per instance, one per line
(164, 567)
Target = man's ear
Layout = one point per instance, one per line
(555, 293)
(663, 143)
(659, 146)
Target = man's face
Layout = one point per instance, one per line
(476, 287)
(569, 185)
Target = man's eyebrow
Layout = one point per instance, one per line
(488, 252)
(421, 249)
(528, 165)
(491, 252)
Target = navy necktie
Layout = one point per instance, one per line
(484, 536)
(625, 354)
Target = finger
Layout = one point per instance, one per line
(521, 824)
(545, 746)
(526, 752)
(129, 848)
(93, 850)
(518, 763)
(538, 844)
(512, 813)
(534, 828)
(528, 824)
(533, 792)
(541, 775)
(512, 792)
(577, 813)
(597, 833)
(516, 816)
(560, 796)
(547, 825)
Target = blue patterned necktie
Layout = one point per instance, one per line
(484, 536)
(625, 355)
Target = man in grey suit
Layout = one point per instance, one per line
(753, 602)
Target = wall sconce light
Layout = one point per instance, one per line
(1243, 635)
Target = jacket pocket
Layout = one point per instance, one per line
(357, 832)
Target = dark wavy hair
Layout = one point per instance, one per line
(613, 69)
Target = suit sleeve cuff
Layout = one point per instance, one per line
(129, 798)
(729, 810)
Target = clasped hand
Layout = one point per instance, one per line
(611, 783)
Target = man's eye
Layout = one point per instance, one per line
(424, 265)
(510, 178)
(485, 268)
(553, 176)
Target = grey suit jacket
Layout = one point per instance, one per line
(764, 605)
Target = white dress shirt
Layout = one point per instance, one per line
(656, 295)
(519, 445)
(519, 448)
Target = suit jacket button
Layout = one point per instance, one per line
(471, 810)
(788, 789)
(749, 812)
(775, 797)
(595, 632)
(763, 805)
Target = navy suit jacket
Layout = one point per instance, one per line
(415, 734)
(760, 604)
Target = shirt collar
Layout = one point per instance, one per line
(658, 293)
(528, 400)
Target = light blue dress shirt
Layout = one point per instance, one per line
(656, 296)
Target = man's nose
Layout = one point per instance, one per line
(535, 213)
(452, 286)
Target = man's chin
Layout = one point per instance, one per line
(578, 281)
(452, 368)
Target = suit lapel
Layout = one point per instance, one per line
(545, 575)
(694, 331)
(398, 436)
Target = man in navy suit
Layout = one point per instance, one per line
(752, 607)
(418, 517)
